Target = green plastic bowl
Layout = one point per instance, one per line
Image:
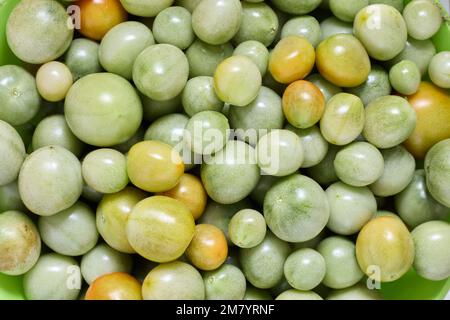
(410, 286)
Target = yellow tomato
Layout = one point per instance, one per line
(190, 191)
(154, 166)
(385, 246)
(303, 104)
(99, 16)
(432, 105)
(208, 249)
(291, 59)
(342, 60)
(114, 286)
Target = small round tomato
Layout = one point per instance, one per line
(432, 106)
(190, 191)
(291, 59)
(114, 286)
(303, 104)
(208, 249)
(99, 16)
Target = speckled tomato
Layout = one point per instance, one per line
(190, 191)
(303, 104)
(432, 106)
(99, 16)
(208, 249)
(386, 243)
(115, 286)
(291, 59)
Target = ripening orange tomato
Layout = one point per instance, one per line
(99, 16)
(432, 106)
(114, 286)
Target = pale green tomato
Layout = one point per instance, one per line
(415, 205)
(315, 147)
(10, 197)
(418, 51)
(326, 87)
(432, 258)
(154, 109)
(247, 228)
(105, 170)
(423, 19)
(357, 292)
(173, 281)
(296, 7)
(263, 265)
(231, 174)
(53, 277)
(173, 26)
(12, 153)
(390, 120)
(342, 270)
(376, 85)
(54, 130)
(199, 95)
(53, 81)
(437, 171)
(161, 71)
(44, 40)
(19, 95)
(102, 260)
(112, 215)
(398, 172)
(259, 22)
(343, 119)
(324, 172)
(50, 180)
(371, 25)
(82, 58)
(439, 69)
(280, 152)
(257, 118)
(145, 8)
(121, 45)
(304, 269)
(255, 51)
(405, 77)
(204, 58)
(237, 81)
(220, 215)
(346, 10)
(293, 294)
(359, 164)
(207, 132)
(350, 208)
(296, 208)
(225, 283)
(332, 25)
(71, 232)
(305, 26)
(99, 100)
(20, 243)
(217, 21)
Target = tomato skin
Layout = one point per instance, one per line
(432, 106)
(99, 16)
(114, 286)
